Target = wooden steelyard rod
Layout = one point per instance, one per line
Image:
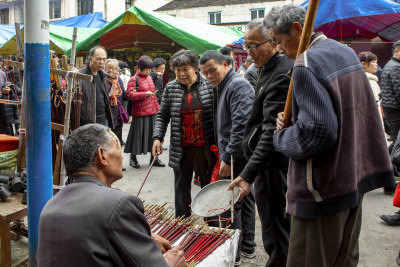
(304, 42)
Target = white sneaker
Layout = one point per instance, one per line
(248, 255)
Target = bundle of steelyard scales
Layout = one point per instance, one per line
(199, 240)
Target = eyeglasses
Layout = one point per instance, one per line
(253, 47)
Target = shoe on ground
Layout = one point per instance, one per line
(123, 169)
(248, 255)
(158, 163)
(164, 148)
(237, 263)
(389, 190)
(392, 219)
(133, 162)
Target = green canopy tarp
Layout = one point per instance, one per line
(60, 39)
(146, 29)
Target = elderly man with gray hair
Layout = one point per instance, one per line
(95, 106)
(336, 145)
(267, 168)
(88, 223)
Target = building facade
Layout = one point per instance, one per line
(222, 12)
(12, 11)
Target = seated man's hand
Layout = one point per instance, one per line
(162, 243)
(5, 90)
(175, 257)
(243, 185)
(225, 169)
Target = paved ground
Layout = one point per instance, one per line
(379, 243)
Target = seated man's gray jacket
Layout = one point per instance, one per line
(89, 224)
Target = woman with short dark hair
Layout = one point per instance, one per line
(188, 103)
(141, 90)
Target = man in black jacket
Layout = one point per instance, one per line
(96, 106)
(266, 167)
(235, 97)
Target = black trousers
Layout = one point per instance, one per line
(184, 176)
(118, 132)
(270, 189)
(244, 220)
(393, 118)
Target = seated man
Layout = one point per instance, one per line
(88, 223)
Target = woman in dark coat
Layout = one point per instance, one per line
(141, 90)
(188, 103)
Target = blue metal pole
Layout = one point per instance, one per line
(38, 116)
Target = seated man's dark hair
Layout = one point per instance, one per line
(81, 146)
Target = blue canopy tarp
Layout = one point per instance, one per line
(91, 20)
(358, 18)
(6, 32)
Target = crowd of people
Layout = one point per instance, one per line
(310, 209)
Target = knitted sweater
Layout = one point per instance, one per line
(336, 145)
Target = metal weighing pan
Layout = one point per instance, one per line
(214, 199)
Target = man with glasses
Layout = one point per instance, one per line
(95, 106)
(266, 167)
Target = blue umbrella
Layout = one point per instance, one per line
(363, 18)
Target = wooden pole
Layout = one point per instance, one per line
(59, 170)
(304, 42)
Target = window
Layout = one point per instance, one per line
(55, 9)
(4, 16)
(128, 4)
(19, 13)
(257, 13)
(85, 7)
(215, 17)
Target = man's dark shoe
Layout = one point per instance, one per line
(389, 190)
(392, 219)
(133, 162)
(123, 169)
(157, 162)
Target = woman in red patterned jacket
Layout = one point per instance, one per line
(141, 90)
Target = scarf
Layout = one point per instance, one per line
(115, 90)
